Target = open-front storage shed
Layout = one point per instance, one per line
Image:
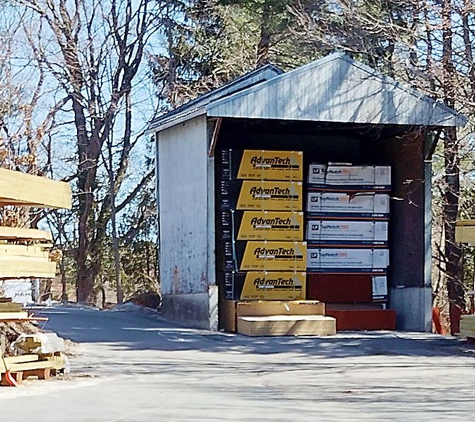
(333, 110)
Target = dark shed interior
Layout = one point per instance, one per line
(402, 147)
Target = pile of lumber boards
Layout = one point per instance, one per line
(23, 258)
(467, 326)
(11, 311)
(38, 360)
(25, 253)
(22, 189)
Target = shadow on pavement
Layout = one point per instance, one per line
(143, 330)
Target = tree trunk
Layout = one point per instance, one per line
(453, 252)
(265, 38)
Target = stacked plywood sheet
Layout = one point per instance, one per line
(278, 318)
(261, 254)
(25, 253)
(467, 326)
(285, 325)
(347, 221)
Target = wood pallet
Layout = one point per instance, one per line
(32, 365)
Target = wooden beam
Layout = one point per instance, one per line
(460, 223)
(13, 315)
(22, 189)
(214, 136)
(464, 232)
(28, 235)
(28, 366)
(22, 267)
(28, 251)
(9, 360)
(11, 307)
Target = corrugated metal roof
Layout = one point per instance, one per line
(197, 106)
(336, 89)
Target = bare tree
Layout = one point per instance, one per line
(95, 50)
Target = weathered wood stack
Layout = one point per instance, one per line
(11, 311)
(260, 248)
(41, 359)
(25, 253)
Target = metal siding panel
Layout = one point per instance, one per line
(183, 208)
(196, 107)
(335, 89)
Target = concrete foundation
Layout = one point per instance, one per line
(414, 308)
(191, 310)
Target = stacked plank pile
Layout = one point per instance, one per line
(36, 361)
(347, 217)
(260, 248)
(25, 253)
(10, 311)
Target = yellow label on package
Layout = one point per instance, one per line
(271, 165)
(271, 225)
(274, 286)
(274, 256)
(267, 195)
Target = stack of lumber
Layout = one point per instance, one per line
(25, 259)
(36, 362)
(22, 189)
(24, 253)
(10, 311)
(261, 247)
(467, 326)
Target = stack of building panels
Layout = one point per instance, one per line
(25, 253)
(260, 248)
(260, 224)
(347, 221)
(26, 260)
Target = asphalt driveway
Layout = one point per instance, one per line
(133, 366)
